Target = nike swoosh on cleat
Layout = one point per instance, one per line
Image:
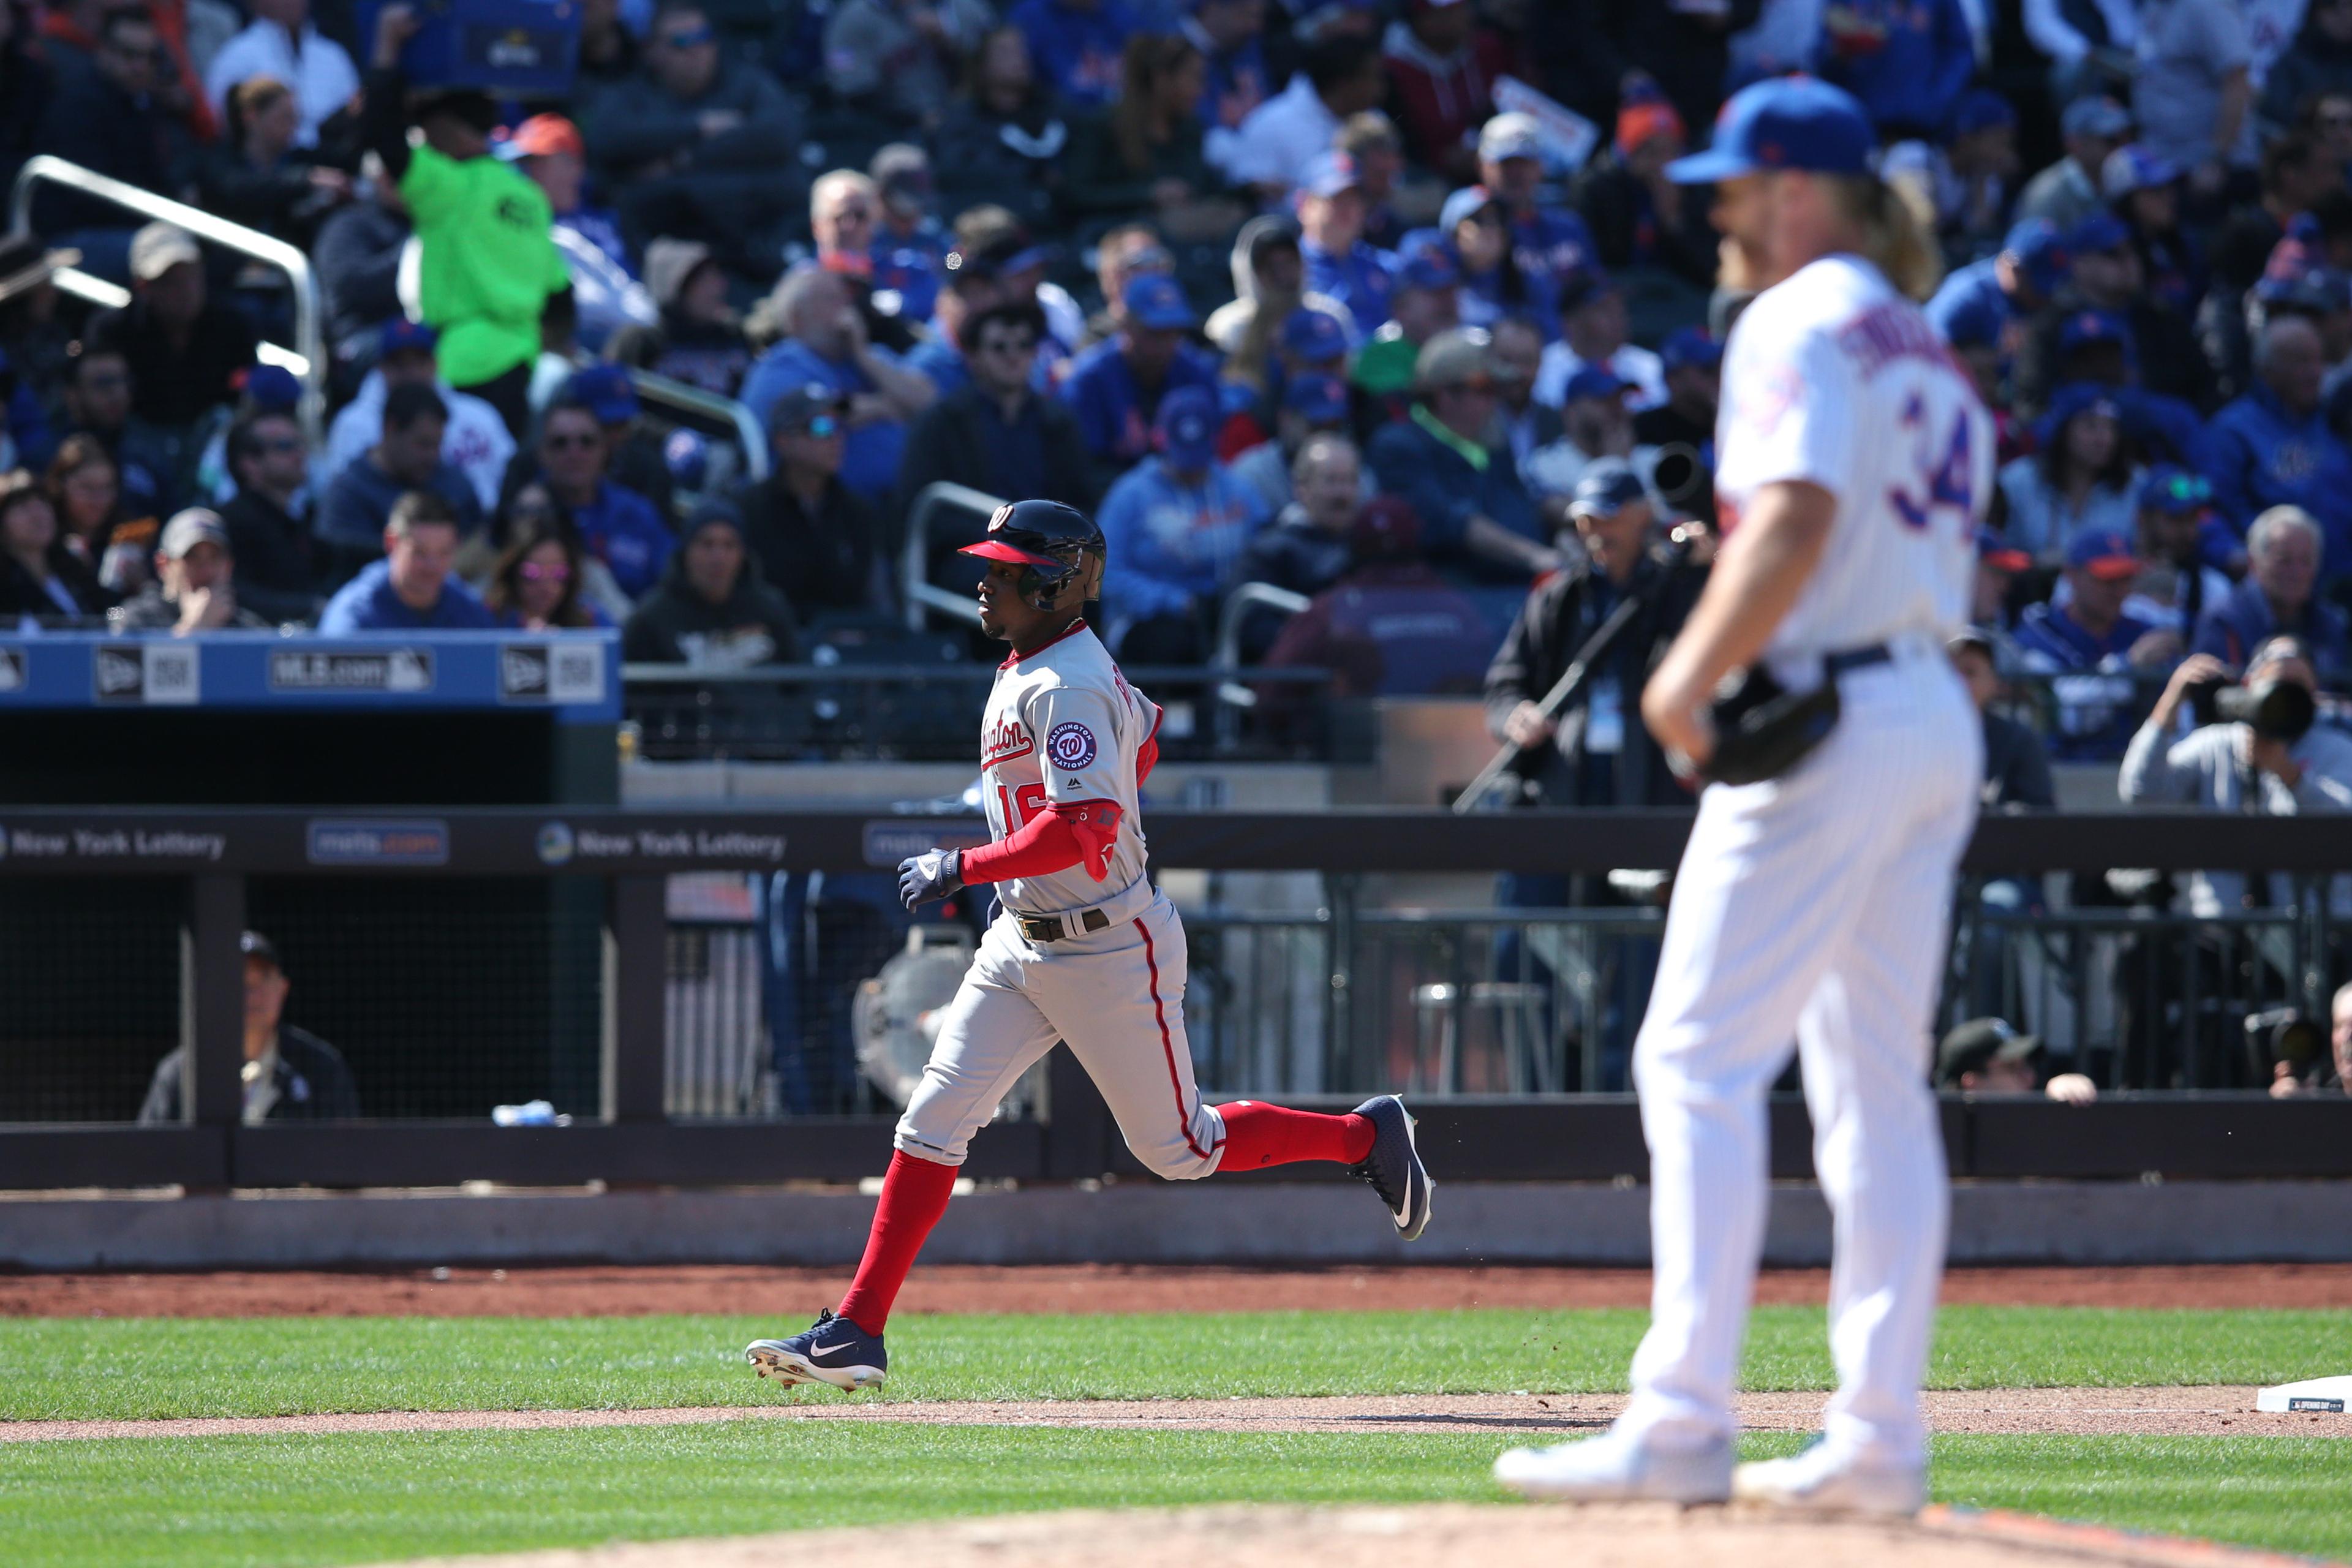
(816, 1351)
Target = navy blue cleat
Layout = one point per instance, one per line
(834, 1349)
(1394, 1167)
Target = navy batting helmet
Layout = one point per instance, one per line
(1053, 542)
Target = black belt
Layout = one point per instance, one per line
(1845, 661)
(1049, 927)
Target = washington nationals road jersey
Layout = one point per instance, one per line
(1063, 726)
(1833, 376)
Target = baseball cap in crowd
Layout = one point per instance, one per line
(1788, 122)
(1975, 638)
(2086, 327)
(401, 335)
(607, 389)
(1154, 301)
(1976, 322)
(158, 248)
(1642, 116)
(2103, 552)
(1579, 286)
(542, 136)
(1593, 381)
(2174, 489)
(2100, 231)
(1607, 487)
(1468, 202)
(2100, 117)
(1976, 1045)
(1511, 135)
(1689, 348)
(901, 169)
(2318, 290)
(1313, 335)
(195, 525)
(800, 408)
(2039, 252)
(1981, 109)
(1427, 268)
(1998, 554)
(2135, 167)
(1186, 428)
(253, 945)
(1319, 398)
(1329, 173)
(1458, 356)
(270, 386)
(1386, 529)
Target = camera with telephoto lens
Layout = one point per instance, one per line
(2285, 1034)
(2274, 709)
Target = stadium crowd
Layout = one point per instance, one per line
(1385, 302)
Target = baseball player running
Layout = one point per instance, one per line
(1853, 459)
(1086, 950)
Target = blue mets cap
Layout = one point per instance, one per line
(1976, 322)
(1689, 347)
(1186, 428)
(2135, 167)
(2174, 489)
(2100, 231)
(271, 386)
(605, 388)
(1998, 554)
(2101, 117)
(1321, 398)
(2038, 249)
(1468, 202)
(401, 334)
(1313, 335)
(2086, 327)
(2103, 553)
(1593, 381)
(1427, 268)
(1790, 123)
(1607, 487)
(1153, 299)
(1981, 110)
(1329, 173)
(1580, 285)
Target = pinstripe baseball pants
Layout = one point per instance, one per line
(1812, 907)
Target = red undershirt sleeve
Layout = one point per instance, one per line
(1053, 840)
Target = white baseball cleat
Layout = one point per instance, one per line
(1617, 1467)
(1824, 1480)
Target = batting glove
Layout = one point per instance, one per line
(933, 875)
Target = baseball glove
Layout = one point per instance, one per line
(1762, 729)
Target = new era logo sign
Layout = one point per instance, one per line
(552, 672)
(156, 673)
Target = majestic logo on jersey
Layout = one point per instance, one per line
(1071, 746)
(1007, 741)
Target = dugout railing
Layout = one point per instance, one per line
(607, 876)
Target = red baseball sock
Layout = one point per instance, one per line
(1258, 1136)
(914, 1195)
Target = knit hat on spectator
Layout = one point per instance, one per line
(1459, 356)
(709, 514)
(2105, 554)
(1607, 487)
(1690, 348)
(1315, 336)
(1511, 135)
(2174, 489)
(1387, 528)
(1974, 1045)
(158, 248)
(1593, 381)
(1466, 202)
(1429, 268)
(2100, 117)
(271, 386)
(1155, 301)
(1787, 122)
(1998, 554)
(1185, 430)
(1329, 173)
(196, 525)
(1320, 399)
(1642, 115)
(401, 336)
(2135, 167)
(1981, 109)
(607, 389)
(542, 136)
(2034, 245)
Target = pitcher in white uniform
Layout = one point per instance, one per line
(1087, 950)
(1812, 907)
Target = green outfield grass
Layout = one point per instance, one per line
(284, 1501)
(125, 1368)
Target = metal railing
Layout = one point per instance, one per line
(726, 413)
(916, 590)
(307, 359)
(1234, 699)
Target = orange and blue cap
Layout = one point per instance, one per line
(1789, 122)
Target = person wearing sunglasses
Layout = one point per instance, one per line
(2177, 534)
(535, 586)
(277, 570)
(817, 540)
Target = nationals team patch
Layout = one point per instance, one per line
(1071, 746)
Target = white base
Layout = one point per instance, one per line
(2327, 1396)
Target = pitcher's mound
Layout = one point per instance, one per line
(1442, 1535)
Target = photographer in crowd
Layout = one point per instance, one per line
(2255, 751)
(2331, 1075)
